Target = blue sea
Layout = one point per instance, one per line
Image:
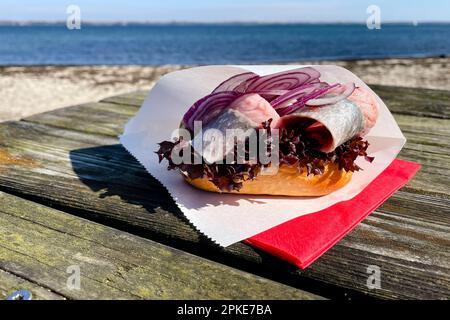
(216, 43)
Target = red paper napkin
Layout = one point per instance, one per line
(304, 239)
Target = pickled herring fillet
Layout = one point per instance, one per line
(368, 105)
(221, 134)
(255, 108)
(329, 125)
(235, 124)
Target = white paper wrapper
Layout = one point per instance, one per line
(225, 218)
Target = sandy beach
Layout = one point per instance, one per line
(33, 89)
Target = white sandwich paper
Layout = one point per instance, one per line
(226, 218)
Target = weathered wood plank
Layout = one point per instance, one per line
(110, 197)
(130, 99)
(97, 118)
(428, 138)
(125, 106)
(414, 101)
(433, 162)
(34, 139)
(402, 100)
(91, 176)
(40, 243)
(10, 283)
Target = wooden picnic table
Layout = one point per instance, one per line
(70, 194)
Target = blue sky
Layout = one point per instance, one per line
(226, 10)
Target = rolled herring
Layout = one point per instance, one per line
(329, 125)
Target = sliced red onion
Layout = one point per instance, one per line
(286, 91)
(342, 92)
(243, 87)
(232, 84)
(286, 80)
(270, 95)
(303, 101)
(273, 92)
(317, 80)
(295, 94)
(208, 107)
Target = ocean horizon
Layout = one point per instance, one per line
(185, 43)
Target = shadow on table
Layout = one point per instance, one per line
(111, 171)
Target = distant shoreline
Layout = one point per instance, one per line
(202, 23)
(297, 61)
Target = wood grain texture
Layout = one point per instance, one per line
(10, 283)
(129, 99)
(80, 168)
(39, 244)
(414, 101)
(96, 118)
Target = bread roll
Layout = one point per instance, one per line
(287, 182)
